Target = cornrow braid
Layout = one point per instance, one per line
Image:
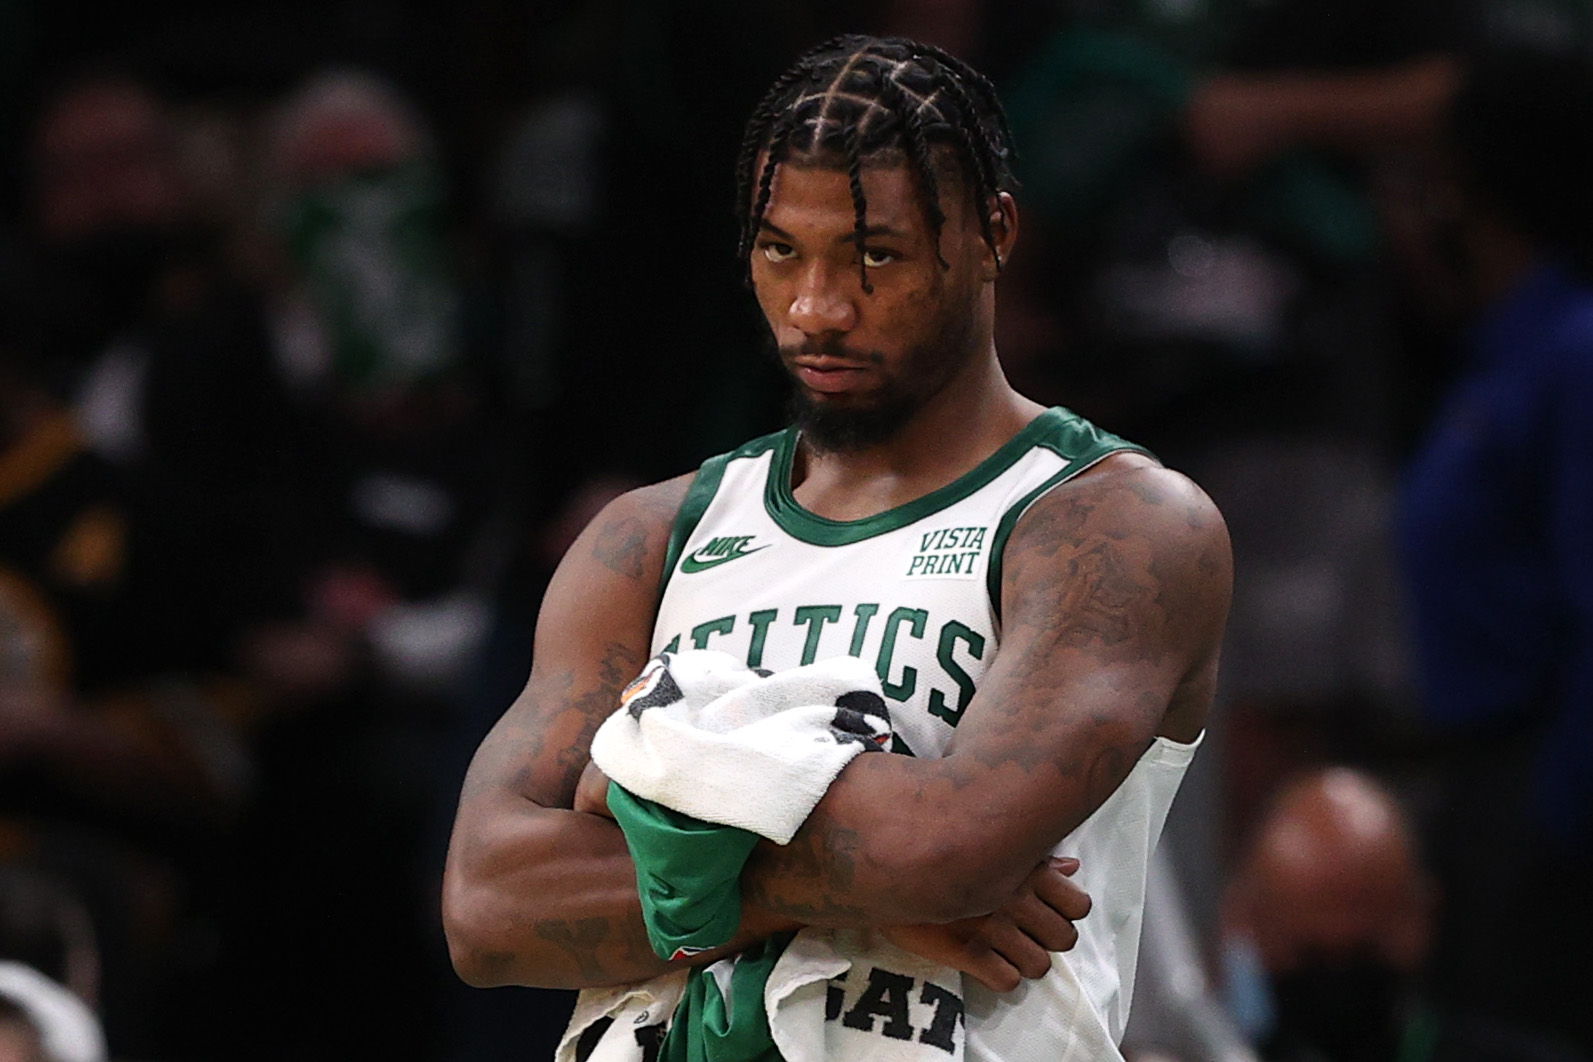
(918, 149)
(854, 176)
(776, 150)
(980, 160)
(759, 134)
(856, 97)
(1001, 145)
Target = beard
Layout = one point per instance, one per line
(853, 423)
(834, 428)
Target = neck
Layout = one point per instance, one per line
(965, 422)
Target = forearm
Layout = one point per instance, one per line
(1235, 122)
(1354, 111)
(900, 840)
(543, 897)
(894, 842)
(1369, 109)
(549, 900)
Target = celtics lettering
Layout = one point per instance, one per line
(954, 657)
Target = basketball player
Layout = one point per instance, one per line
(1043, 601)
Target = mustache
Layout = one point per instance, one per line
(830, 347)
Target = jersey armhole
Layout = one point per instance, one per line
(704, 486)
(1010, 518)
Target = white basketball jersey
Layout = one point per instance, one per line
(916, 592)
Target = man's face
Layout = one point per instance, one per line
(864, 362)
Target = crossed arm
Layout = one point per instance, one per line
(1114, 594)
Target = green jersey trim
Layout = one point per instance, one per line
(701, 492)
(1055, 429)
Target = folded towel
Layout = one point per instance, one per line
(705, 756)
(703, 734)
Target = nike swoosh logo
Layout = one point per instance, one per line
(691, 564)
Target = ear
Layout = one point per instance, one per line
(1004, 228)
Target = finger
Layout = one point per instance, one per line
(989, 966)
(999, 976)
(1029, 957)
(1063, 864)
(1061, 892)
(591, 792)
(1042, 923)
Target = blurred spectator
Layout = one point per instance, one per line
(1327, 931)
(49, 971)
(387, 541)
(160, 349)
(1496, 527)
(401, 469)
(40, 1021)
(20, 1040)
(1178, 1012)
(117, 771)
(46, 926)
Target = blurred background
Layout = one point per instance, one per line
(325, 327)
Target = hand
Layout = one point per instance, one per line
(1013, 942)
(591, 792)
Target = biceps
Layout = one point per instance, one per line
(1051, 735)
(540, 746)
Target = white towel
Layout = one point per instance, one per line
(706, 736)
(835, 996)
(703, 734)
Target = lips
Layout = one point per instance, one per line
(828, 375)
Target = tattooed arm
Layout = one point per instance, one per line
(535, 893)
(1115, 591)
(1114, 595)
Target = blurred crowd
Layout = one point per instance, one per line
(324, 328)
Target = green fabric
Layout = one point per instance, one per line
(705, 1030)
(1307, 204)
(1057, 429)
(388, 221)
(688, 873)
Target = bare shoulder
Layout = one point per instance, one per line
(593, 636)
(629, 536)
(1129, 558)
(606, 587)
(1132, 500)
(1131, 494)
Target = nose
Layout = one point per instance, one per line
(822, 302)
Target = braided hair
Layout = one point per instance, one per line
(855, 97)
